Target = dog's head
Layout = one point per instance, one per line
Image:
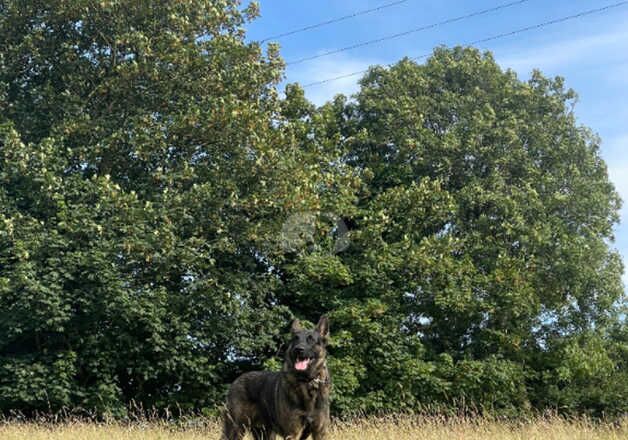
(306, 353)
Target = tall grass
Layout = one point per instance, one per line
(393, 428)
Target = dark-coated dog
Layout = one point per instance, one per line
(292, 403)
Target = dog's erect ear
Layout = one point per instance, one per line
(323, 326)
(295, 327)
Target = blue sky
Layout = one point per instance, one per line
(590, 52)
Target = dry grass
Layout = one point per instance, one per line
(424, 428)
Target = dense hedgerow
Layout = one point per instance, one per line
(164, 213)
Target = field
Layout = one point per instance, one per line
(393, 429)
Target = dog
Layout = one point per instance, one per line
(292, 403)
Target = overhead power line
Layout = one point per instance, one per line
(333, 20)
(410, 31)
(487, 39)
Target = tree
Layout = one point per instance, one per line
(145, 174)
(480, 240)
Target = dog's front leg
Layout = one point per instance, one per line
(319, 425)
(319, 434)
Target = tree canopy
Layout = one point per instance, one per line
(480, 241)
(165, 211)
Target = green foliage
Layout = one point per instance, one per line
(479, 232)
(587, 373)
(163, 213)
(142, 178)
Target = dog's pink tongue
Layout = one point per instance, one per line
(302, 365)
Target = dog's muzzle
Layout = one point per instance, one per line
(302, 360)
(301, 364)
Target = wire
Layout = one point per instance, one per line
(484, 40)
(408, 32)
(333, 20)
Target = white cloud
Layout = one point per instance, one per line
(565, 52)
(337, 65)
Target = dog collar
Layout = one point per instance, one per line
(318, 381)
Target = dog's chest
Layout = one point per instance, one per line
(307, 395)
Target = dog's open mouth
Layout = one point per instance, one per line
(302, 364)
